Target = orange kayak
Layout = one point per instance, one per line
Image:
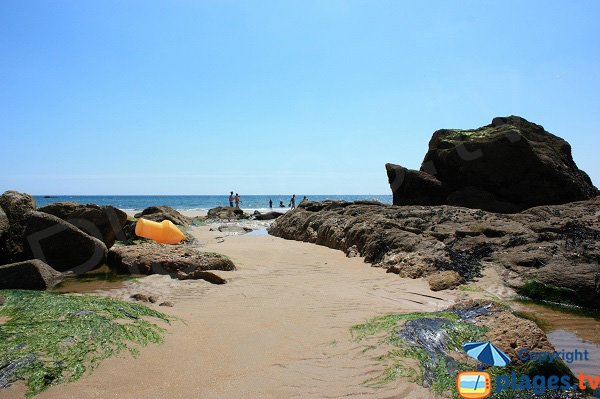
(164, 232)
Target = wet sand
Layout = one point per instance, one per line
(280, 328)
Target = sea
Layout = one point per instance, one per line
(131, 203)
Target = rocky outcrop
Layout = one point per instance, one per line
(557, 246)
(226, 213)
(507, 166)
(163, 212)
(103, 222)
(61, 245)
(177, 261)
(38, 235)
(29, 275)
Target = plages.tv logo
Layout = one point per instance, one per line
(474, 385)
(478, 384)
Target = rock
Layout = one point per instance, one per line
(352, 252)
(177, 261)
(233, 229)
(436, 336)
(102, 222)
(268, 216)
(140, 297)
(160, 213)
(413, 187)
(128, 231)
(226, 213)
(4, 231)
(144, 298)
(61, 245)
(29, 275)
(557, 246)
(38, 235)
(507, 166)
(16, 204)
(167, 304)
(445, 280)
(201, 275)
(13, 370)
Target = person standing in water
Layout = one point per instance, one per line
(231, 200)
(271, 203)
(237, 200)
(293, 202)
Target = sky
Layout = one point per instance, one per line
(265, 97)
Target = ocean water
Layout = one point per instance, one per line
(197, 202)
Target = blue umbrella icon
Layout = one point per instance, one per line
(486, 353)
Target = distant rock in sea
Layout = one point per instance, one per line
(507, 166)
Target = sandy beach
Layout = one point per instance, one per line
(279, 328)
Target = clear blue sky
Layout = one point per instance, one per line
(204, 97)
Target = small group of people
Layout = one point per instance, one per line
(292, 203)
(234, 198)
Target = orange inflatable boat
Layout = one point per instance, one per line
(164, 232)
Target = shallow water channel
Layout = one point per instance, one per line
(569, 331)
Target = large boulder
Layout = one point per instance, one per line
(60, 244)
(507, 166)
(160, 213)
(177, 261)
(226, 213)
(15, 206)
(103, 222)
(549, 250)
(29, 275)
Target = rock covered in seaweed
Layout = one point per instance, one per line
(507, 166)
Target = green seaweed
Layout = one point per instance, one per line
(535, 289)
(400, 351)
(70, 334)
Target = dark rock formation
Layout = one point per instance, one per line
(103, 222)
(38, 235)
(15, 206)
(61, 245)
(268, 216)
(556, 245)
(29, 275)
(177, 261)
(160, 213)
(507, 166)
(226, 213)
